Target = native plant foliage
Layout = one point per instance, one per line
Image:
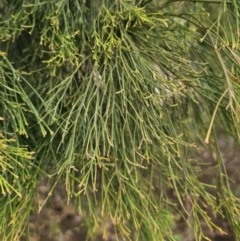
(115, 97)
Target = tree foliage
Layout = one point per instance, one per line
(116, 97)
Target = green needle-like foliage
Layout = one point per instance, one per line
(116, 97)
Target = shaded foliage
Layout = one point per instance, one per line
(115, 97)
